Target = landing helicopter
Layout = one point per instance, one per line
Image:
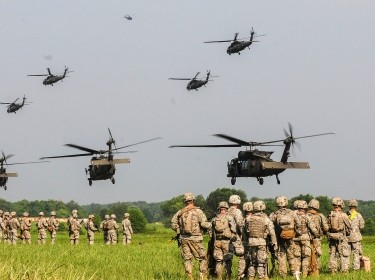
(194, 82)
(237, 46)
(51, 78)
(102, 165)
(256, 163)
(14, 107)
(5, 175)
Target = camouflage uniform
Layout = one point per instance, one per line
(74, 230)
(305, 232)
(14, 225)
(238, 248)
(285, 221)
(188, 224)
(1, 225)
(103, 227)
(126, 229)
(257, 228)
(112, 228)
(53, 226)
(339, 226)
(42, 226)
(247, 208)
(91, 229)
(321, 225)
(6, 227)
(25, 228)
(222, 235)
(358, 223)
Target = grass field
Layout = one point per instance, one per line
(150, 256)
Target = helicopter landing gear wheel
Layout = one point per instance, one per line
(233, 181)
(277, 180)
(261, 181)
(113, 180)
(90, 182)
(5, 188)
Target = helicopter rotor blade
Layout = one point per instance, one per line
(205, 146)
(196, 75)
(235, 36)
(40, 75)
(182, 79)
(14, 163)
(91, 151)
(5, 103)
(137, 143)
(112, 140)
(232, 139)
(67, 156)
(222, 41)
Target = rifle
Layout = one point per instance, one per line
(176, 238)
(271, 249)
(210, 253)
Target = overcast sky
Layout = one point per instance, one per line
(315, 69)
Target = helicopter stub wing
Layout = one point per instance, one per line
(5, 175)
(107, 162)
(288, 165)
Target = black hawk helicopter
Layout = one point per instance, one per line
(238, 45)
(102, 165)
(51, 79)
(194, 82)
(128, 17)
(14, 107)
(4, 175)
(256, 163)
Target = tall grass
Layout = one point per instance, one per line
(150, 256)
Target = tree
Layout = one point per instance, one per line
(137, 219)
(223, 194)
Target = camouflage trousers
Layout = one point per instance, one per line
(286, 255)
(258, 261)
(303, 252)
(42, 235)
(26, 237)
(127, 238)
(221, 249)
(90, 237)
(112, 237)
(193, 248)
(53, 236)
(13, 236)
(74, 237)
(339, 250)
(238, 249)
(356, 249)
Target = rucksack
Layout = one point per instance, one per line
(189, 221)
(336, 222)
(285, 223)
(221, 223)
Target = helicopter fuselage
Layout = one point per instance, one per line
(238, 46)
(195, 84)
(14, 107)
(50, 80)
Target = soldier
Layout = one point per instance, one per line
(127, 229)
(6, 227)
(1, 225)
(238, 248)
(42, 226)
(74, 211)
(103, 227)
(339, 227)
(112, 228)
(74, 230)
(258, 227)
(53, 226)
(25, 229)
(358, 223)
(247, 208)
(285, 222)
(188, 223)
(305, 233)
(321, 225)
(14, 225)
(91, 229)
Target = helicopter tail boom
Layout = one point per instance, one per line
(288, 165)
(5, 175)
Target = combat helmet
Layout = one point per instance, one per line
(91, 216)
(337, 201)
(302, 204)
(74, 211)
(235, 199)
(295, 203)
(259, 205)
(13, 213)
(53, 213)
(6, 213)
(26, 214)
(314, 204)
(113, 216)
(41, 214)
(1, 212)
(353, 203)
(281, 201)
(126, 215)
(106, 217)
(223, 204)
(188, 196)
(247, 206)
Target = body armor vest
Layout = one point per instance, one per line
(256, 226)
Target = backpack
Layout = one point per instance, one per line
(336, 222)
(221, 223)
(189, 221)
(285, 222)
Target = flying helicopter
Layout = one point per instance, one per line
(51, 78)
(238, 45)
(14, 107)
(5, 175)
(195, 83)
(128, 17)
(256, 163)
(102, 165)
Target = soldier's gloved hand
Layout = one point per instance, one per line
(233, 238)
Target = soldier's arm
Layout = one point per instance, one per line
(271, 231)
(323, 223)
(174, 221)
(361, 221)
(203, 220)
(130, 228)
(312, 227)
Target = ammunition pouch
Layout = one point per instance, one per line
(287, 234)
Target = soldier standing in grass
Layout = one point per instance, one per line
(14, 226)
(112, 228)
(1, 225)
(189, 223)
(42, 226)
(127, 229)
(74, 229)
(53, 226)
(6, 227)
(25, 229)
(358, 223)
(339, 227)
(103, 227)
(91, 229)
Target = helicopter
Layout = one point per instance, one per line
(51, 78)
(5, 175)
(256, 163)
(195, 83)
(14, 107)
(238, 45)
(102, 165)
(128, 17)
